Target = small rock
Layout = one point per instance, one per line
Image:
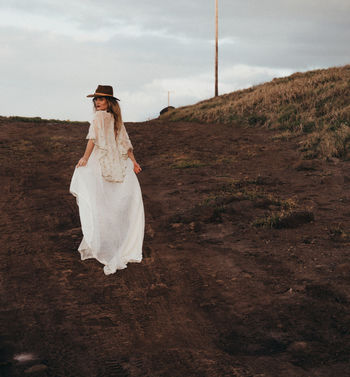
(305, 165)
(24, 357)
(300, 346)
(246, 275)
(38, 368)
(195, 226)
(149, 231)
(158, 285)
(176, 225)
(158, 289)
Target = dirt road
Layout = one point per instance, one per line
(246, 265)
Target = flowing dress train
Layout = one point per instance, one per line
(111, 212)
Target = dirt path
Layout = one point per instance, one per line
(215, 295)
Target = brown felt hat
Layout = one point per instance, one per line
(103, 91)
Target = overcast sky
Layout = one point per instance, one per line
(55, 52)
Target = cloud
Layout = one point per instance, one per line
(55, 52)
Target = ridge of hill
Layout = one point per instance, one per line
(314, 106)
(37, 120)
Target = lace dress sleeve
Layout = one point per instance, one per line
(91, 133)
(100, 130)
(124, 141)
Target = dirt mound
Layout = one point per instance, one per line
(220, 291)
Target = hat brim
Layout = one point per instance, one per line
(102, 95)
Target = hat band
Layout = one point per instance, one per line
(103, 94)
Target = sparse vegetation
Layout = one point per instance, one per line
(222, 201)
(271, 221)
(313, 105)
(284, 219)
(338, 233)
(331, 141)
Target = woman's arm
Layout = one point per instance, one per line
(88, 150)
(137, 167)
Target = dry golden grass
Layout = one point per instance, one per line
(315, 105)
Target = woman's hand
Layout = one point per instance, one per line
(137, 167)
(82, 162)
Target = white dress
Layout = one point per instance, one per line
(109, 198)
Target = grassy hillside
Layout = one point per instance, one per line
(314, 106)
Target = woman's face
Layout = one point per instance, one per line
(101, 103)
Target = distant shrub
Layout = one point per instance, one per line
(26, 119)
(16, 118)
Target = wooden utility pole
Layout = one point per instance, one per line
(216, 48)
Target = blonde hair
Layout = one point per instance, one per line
(113, 108)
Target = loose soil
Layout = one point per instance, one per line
(246, 268)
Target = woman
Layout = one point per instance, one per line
(107, 190)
